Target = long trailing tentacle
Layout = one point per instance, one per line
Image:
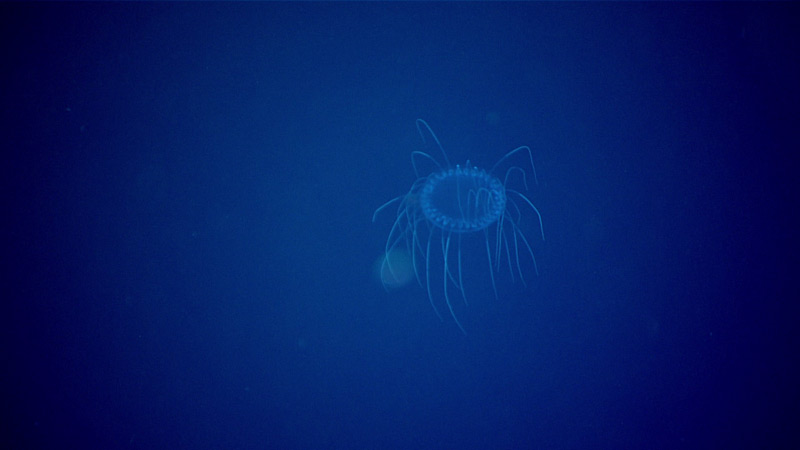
(512, 152)
(460, 278)
(491, 265)
(522, 196)
(527, 245)
(428, 274)
(417, 153)
(446, 296)
(421, 123)
(516, 253)
(522, 171)
(380, 208)
(390, 247)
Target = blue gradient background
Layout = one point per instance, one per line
(189, 257)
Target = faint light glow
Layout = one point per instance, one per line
(395, 269)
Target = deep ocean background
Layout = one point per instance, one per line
(189, 259)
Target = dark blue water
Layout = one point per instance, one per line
(190, 261)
